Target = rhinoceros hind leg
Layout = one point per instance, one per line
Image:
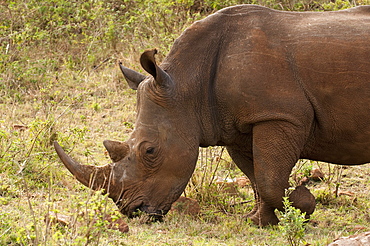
(302, 198)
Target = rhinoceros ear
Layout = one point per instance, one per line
(148, 62)
(132, 77)
(117, 150)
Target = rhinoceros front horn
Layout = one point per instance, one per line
(90, 176)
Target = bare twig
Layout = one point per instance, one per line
(241, 203)
(101, 64)
(35, 242)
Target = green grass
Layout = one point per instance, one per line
(59, 81)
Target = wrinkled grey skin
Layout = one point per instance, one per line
(271, 86)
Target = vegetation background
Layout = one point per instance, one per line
(59, 80)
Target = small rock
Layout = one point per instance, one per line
(185, 205)
(242, 181)
(118, 224)
(228, 187)
(362, 239)
(304, 181)
(55, 218)
(317, 175)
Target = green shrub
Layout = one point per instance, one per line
(292, 222)
(59, 35)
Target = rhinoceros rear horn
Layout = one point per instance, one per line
(90, 176)
(132, 77)
(148, 62)
(116, 150)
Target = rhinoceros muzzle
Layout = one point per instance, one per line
(99, 178)
(153, 215)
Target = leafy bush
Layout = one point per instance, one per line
(42, 39)
(292, 222)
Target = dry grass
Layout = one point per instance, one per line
(66, 89)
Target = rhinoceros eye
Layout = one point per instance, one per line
(150, 150)
(150, 153)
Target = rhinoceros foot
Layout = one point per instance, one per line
(262, 215)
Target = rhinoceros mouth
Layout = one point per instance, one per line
(154, 214)
(134, 211)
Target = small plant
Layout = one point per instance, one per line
(301, 170)
(292, 221)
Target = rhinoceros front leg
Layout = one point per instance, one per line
(276, 148)
(268, 161)
(244, 160)
(260, 214)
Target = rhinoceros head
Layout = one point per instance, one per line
(151, 169)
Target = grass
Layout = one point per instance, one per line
(59, 81)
